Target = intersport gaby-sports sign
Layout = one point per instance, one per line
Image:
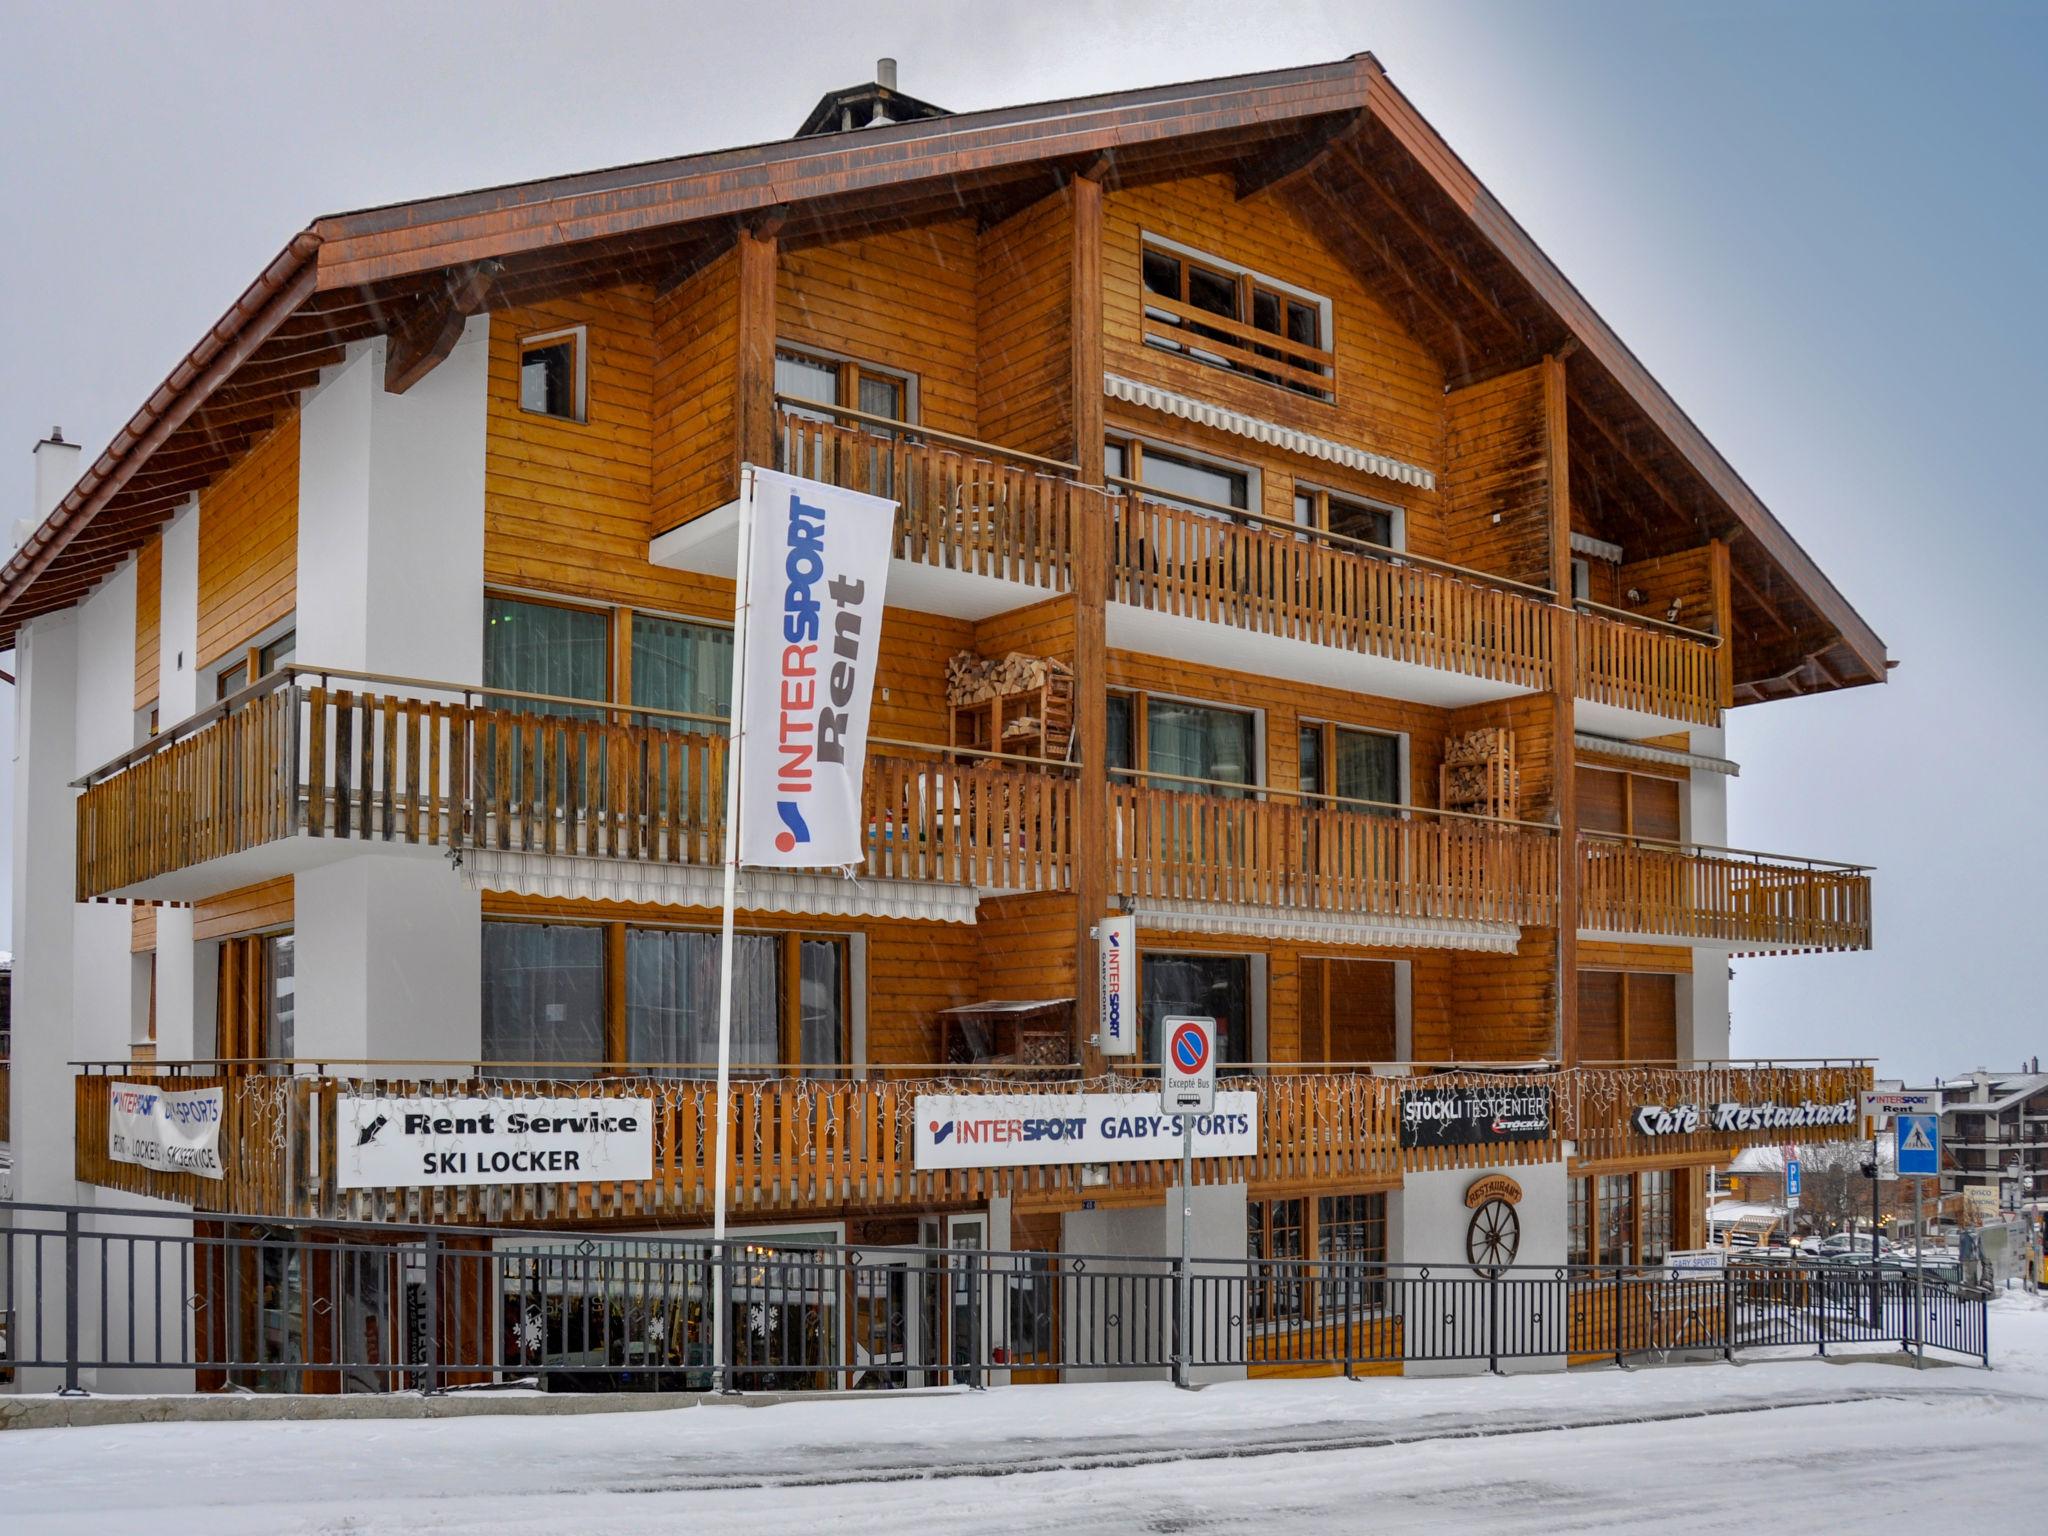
(818, 568)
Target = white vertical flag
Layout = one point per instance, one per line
(818, 570)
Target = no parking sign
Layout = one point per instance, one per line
(1187, 1066)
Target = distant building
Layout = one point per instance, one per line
(1994, 1133)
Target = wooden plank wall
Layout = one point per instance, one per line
(248, 910)
(149, 604)
(249, 545)
(1530, 719)
(905, 300)
(696, 394)
(1389, 389)
(1496, 478)
(1687, 577)
(1025, 330)
(1026, 946)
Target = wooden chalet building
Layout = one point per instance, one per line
(1288, 557)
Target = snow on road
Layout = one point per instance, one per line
(1683, 1449)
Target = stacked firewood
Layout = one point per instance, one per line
(970, 678)
(1479, 773)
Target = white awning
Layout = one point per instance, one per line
(1225, 919)
(1131, 391)
(1614, 746)
(569, 877)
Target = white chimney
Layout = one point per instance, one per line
(56, 473)
(885, 74)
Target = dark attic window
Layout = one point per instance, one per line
(551, 375)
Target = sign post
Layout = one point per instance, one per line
(1919, 1154)
(1187, 1088)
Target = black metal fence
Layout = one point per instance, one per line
(135, 1297)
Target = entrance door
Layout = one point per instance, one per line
(953, 1325)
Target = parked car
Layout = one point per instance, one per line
(1844, 1245)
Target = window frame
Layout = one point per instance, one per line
(1247, 285)
(851, 369)
(615, 1059)
(1320, 497)
(1135, 446)
(1327, 732)
(1649, 1189)
(1274, 1303)
(578, 338)
(1140, 769)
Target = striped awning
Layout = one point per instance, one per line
(571, 877)
(1227, 919)
(1614, 746)
(1152, 397)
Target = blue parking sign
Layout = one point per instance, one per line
(1792, 1178)
(1919, 1145)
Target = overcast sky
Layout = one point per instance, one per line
(1820, 226)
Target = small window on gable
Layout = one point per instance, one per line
(551, 373)
(1262, 327)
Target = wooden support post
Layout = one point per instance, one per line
(1091, 595)
(1718, 577)
(1564, 714)
(758, 243)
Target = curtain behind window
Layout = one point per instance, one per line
(539, 648)
(672, 998)
(682, 666)
(1198, 742)
(821, 992)
(543, 997)
(1368, 767)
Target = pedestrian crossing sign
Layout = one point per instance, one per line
(1919, 1145)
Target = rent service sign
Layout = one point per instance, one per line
(1023, 1130)
(173, 1132)
(817, 567)
(1474, 1116)
(394, 1143)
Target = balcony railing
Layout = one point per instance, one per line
(495, 771)
(807, 1145)
(1756, 902)
(985, 510)
(1179, 839)
(963, 505)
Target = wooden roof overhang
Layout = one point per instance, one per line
(1336, 141)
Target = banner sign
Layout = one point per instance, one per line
(398, 1143)
(818, 568)
(175, 1131)
(1028, 1130)
(1727, 1119)
(1117, 1031)
(1471, 1117)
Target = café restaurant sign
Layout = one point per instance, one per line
(386, 1142)
(1474, 1116)
(1028, 1130)
(1727, 1119)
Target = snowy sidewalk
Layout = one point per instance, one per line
(1074, 1459)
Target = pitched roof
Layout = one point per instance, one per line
(1337, 141)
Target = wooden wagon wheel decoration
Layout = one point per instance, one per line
(1494, 1236)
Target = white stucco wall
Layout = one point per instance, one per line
(1216, 1231)
(103, 979)
(1427, 1224)
(177, 666)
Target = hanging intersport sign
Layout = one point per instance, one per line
(174, 1131)
(397, 1143)
(1726, 1119)
(1474, 1116)
(818, 565)
(1028, 1130)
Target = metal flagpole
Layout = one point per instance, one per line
(735, 730)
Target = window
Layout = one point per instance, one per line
(255, 998)
(1182, 479)
(683, 666)
(280, 1034)
(1276, 1239)
(1631, 804)
(551, 374)
(821, 379)
(1349, 764)
(1621, 1218)
(1183, 739)
(258, 661)
(1222, 314)
(550, 648)
(543, 998)
(1348, 517)
(789, 1000)
(1215, 987)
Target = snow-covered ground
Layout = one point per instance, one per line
(1796, 1443)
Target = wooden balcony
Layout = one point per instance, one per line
(327, 770)
(1327, 864)
(808, 1147)
(1641, 667)
(1754, 903)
